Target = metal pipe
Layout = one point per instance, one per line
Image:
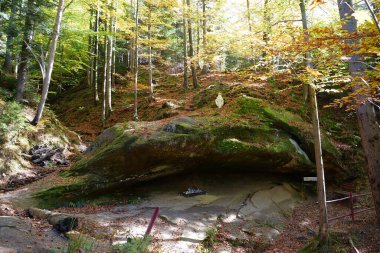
(151, 223)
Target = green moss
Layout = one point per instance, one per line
(207, 97)
(329, 147)
(282, 115)
(231, 146)
(61, 195)
(249, 105)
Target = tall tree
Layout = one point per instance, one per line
(27, 39)
(110, 57)
(185, 68)
(206, 66)
(90, 72)
(50, 63)
(105, 72)
(249, 16)
(11, 32)
(114, 31)
(95, 64)
(368, 125)
(191, 48)
(150, 49)
(267, 24)
(136, 60)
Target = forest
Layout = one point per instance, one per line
(190, 126)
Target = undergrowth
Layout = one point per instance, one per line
(86, 244)
(12, 120)
(336, 243)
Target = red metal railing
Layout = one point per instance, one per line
(353, 210)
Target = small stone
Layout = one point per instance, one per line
(219, 101)
(170, 104)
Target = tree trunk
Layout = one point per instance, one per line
(50, 63)
(191, 50)
(198, 36)
(368, 125)
(11, 33)
(114, 29)
(267, 25)
(90, 52)
(150, 51)
(27, 39)
(109, 61)
(249, 17)
(185, 68)
(307, 56)
(96, 55)
(132, 55)
(135, 116)
(105, 72)
(206, 67)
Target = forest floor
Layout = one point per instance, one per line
(296, 230)
(76, 108)
(195, 224)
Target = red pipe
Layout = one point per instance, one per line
(151, 223)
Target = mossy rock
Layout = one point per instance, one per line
(134, 152)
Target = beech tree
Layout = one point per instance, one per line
(11, 32)
(50, 64)
(95, 58)
(136, 60)
(25, 54)
(184, 24)
(191, 47)
(206, 66)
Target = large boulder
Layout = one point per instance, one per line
(128, 153)
(19, 235)
(145, 150)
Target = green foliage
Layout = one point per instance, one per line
(7, 82)
(12, 120)
(5, 94)
(134, 245)
(235, 63)
(210, 240)
(335, 244)
(82, 243)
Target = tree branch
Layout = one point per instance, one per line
(41, 62)
(68, 5)
(286, 21)
(373, 15)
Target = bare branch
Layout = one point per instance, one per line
(286, 21)
(373, 15)
(41, 62)
(68, 5)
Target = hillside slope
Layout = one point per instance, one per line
(178, 124)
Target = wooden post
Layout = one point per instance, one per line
(321, 183)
